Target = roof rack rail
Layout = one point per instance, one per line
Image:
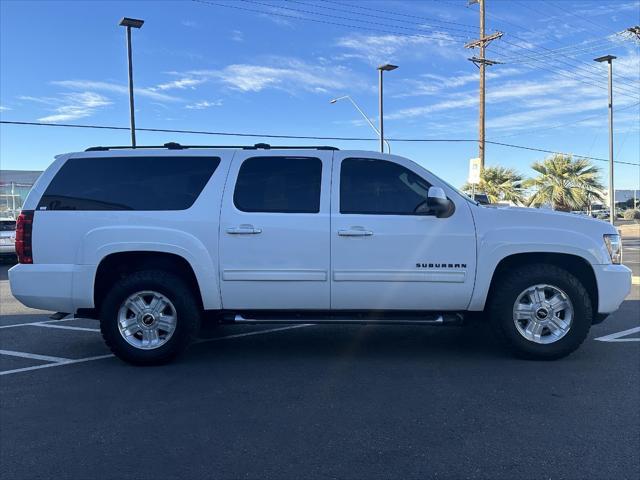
(177, 146)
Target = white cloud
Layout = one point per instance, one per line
(388, 47)
(43, 100)
(204, 104)
(3, 108)
(286, 74)
(237, 36)
(455, 102)
(115, 88)
(72, 106)
(431, 84)
(283, 22)
(180, 84)
(280, 15)
(547, 101)
(607, 9)
(189, 23)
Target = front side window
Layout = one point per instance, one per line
(128, 183)
(279, 184)
(380, 187)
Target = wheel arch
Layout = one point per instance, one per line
(119, 264)
(574, 264)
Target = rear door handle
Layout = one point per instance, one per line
(355, 232)
(244, 230)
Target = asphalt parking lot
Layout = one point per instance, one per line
(290, 402)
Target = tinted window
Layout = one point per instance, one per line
(7, 225)
(128, 183)
(279, 184)
(380, 187)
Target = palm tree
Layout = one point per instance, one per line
(500, 184)
(565, 183)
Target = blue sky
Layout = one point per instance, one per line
(262, 66)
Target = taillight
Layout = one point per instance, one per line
(24, 229)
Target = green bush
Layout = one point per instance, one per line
(632, 214)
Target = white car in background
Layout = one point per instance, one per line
(7, 237)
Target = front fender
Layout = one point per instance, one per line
(498, 244)
(101, 242)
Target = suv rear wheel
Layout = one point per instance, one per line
(541, 311)
(149, 317)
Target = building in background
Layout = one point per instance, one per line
(14, 187)
(627, 197)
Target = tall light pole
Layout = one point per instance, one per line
(382, 68)
(612, 192)
(130, 23)
(364, 115)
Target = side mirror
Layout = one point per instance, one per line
(438, 202)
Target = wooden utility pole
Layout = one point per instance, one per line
(483, 68)
(481, 62)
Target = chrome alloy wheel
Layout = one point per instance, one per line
(543, 314)
(147, 320)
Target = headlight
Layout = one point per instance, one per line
(614, 245)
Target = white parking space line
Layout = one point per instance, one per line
(33, 356)
(65, 327)
(616, 337)
(35, 323)
(59, 362)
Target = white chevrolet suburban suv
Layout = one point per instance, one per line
(153, 239)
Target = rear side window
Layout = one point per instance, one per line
(380, 187)
(128, 183)
(279, 184)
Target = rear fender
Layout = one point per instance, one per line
(101, 242)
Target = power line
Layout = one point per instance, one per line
(466, 30)
(554, 54)
(536, 64)
(389, 12)
(558, 153)
(310, 12)
(326, 22)
(359, 27)
(227, 134)
(306, 137)
(592, 70)
(574, 51)
(574, 14)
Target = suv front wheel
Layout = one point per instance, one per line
(541, 311)
(149, 317)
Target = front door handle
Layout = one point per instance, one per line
(355, 232)
(244, 230)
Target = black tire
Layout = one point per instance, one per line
(504, 295)
(172, 287)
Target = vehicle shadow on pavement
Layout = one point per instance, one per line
(362, 342)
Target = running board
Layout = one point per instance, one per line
(443, 319)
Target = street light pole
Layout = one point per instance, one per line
(380, 110)
(364, 115)
(612, 192)
(382, 68)
(131, 23)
